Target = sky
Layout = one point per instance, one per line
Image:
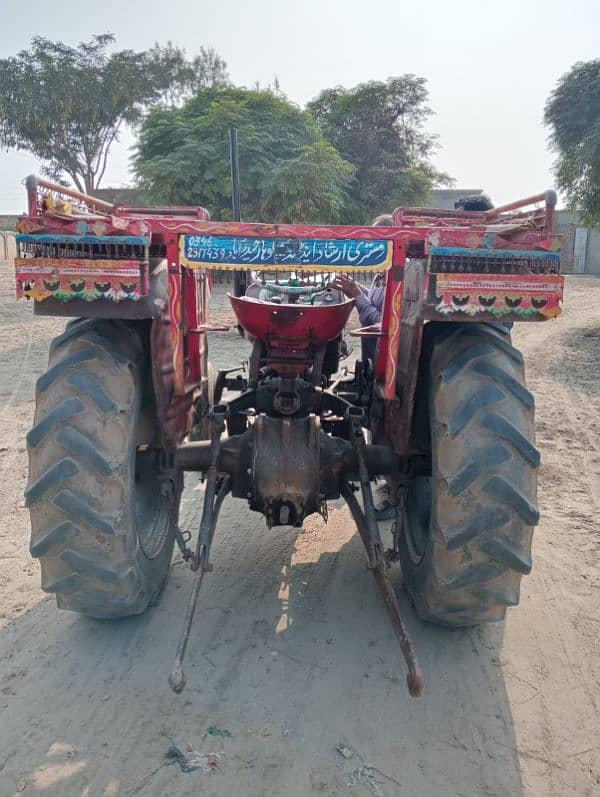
(489, 66)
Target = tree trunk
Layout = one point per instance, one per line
(89, 184)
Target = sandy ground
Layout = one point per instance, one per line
(292, 653)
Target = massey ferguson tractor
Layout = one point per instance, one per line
(129, 402)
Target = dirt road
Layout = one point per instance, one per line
(292, 653)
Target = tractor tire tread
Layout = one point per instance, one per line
(483, 481)
(81, 451)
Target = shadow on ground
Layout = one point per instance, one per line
(291, 653)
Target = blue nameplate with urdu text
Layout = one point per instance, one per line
(285, 254)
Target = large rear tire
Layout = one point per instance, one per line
(102, 511)
(467, 529)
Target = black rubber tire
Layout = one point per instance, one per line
(102, 518)
(467, 529)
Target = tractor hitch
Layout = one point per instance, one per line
(217, 488)
(366, 522)
(287, 468)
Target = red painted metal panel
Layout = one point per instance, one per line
(391, 320)
(245, 229)
(76, 278)
(513, 297)
(88, 225)
(196, 295)
(296, 326)
(176, 317)
(472, 238)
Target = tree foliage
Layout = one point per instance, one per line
(66, 105)
(288, 171)
(573, 114)
(204, 70)
(379, 127)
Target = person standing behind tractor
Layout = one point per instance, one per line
(368, 302)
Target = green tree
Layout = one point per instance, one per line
(573, 114)
(203, 70)
(66, 105)
(379, 127)
(288, 171)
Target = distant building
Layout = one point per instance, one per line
(580, 244)
(8, 245)
(123, 196)
(446, 197)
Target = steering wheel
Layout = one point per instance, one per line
(272, 289)
(284, 293)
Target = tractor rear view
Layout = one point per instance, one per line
(129, 404)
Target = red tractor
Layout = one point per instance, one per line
(129, 402)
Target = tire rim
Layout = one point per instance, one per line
(417, 518)
(151, 504)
